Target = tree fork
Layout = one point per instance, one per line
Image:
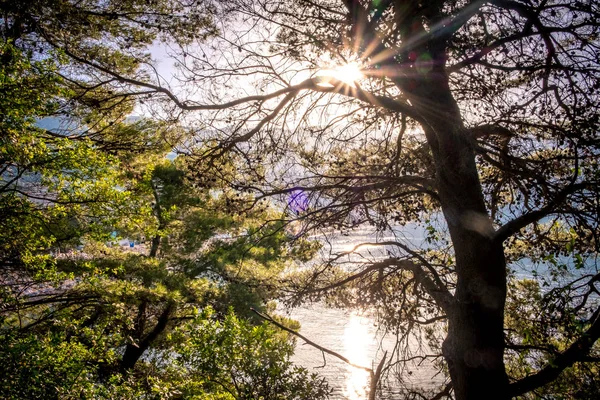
(133, 352)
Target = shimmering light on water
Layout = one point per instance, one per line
(351, 246)
(357, 340)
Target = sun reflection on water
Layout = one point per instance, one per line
(357, 340)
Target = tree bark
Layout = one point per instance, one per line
(474, 346)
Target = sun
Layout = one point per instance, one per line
(349, 73)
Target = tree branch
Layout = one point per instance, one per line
(316, 84)
(375, 376)
(578, 351)
(437, 291)
(268, 318)
(512, 227)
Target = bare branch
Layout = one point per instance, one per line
(375, 376)
(268, 318)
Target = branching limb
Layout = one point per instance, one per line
(512, 227)
(437, 291)
(316, 84)
(578, 351)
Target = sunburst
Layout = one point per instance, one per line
(348, 73)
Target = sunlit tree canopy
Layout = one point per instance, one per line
(473, 123)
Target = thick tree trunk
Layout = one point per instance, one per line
(474, 346)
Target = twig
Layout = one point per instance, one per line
(374, 376)
(268, 318)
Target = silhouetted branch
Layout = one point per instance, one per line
(577, 351)
(374, 375)
(512, 227)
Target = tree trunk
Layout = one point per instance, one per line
(133, 352)
(154, 246)
(474, 346)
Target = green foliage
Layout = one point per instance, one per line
(539, 327)
(105, 45)
(48, 181)
(205, 358)
(233, 359)
(81, 316)
(52, 365)
(193, 253)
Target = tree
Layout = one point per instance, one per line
(478, 120)
(98, 323)
(259, 353)
(78, 47)
(202, 250)
(48, 180)
(105, 325)
(48, 75)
